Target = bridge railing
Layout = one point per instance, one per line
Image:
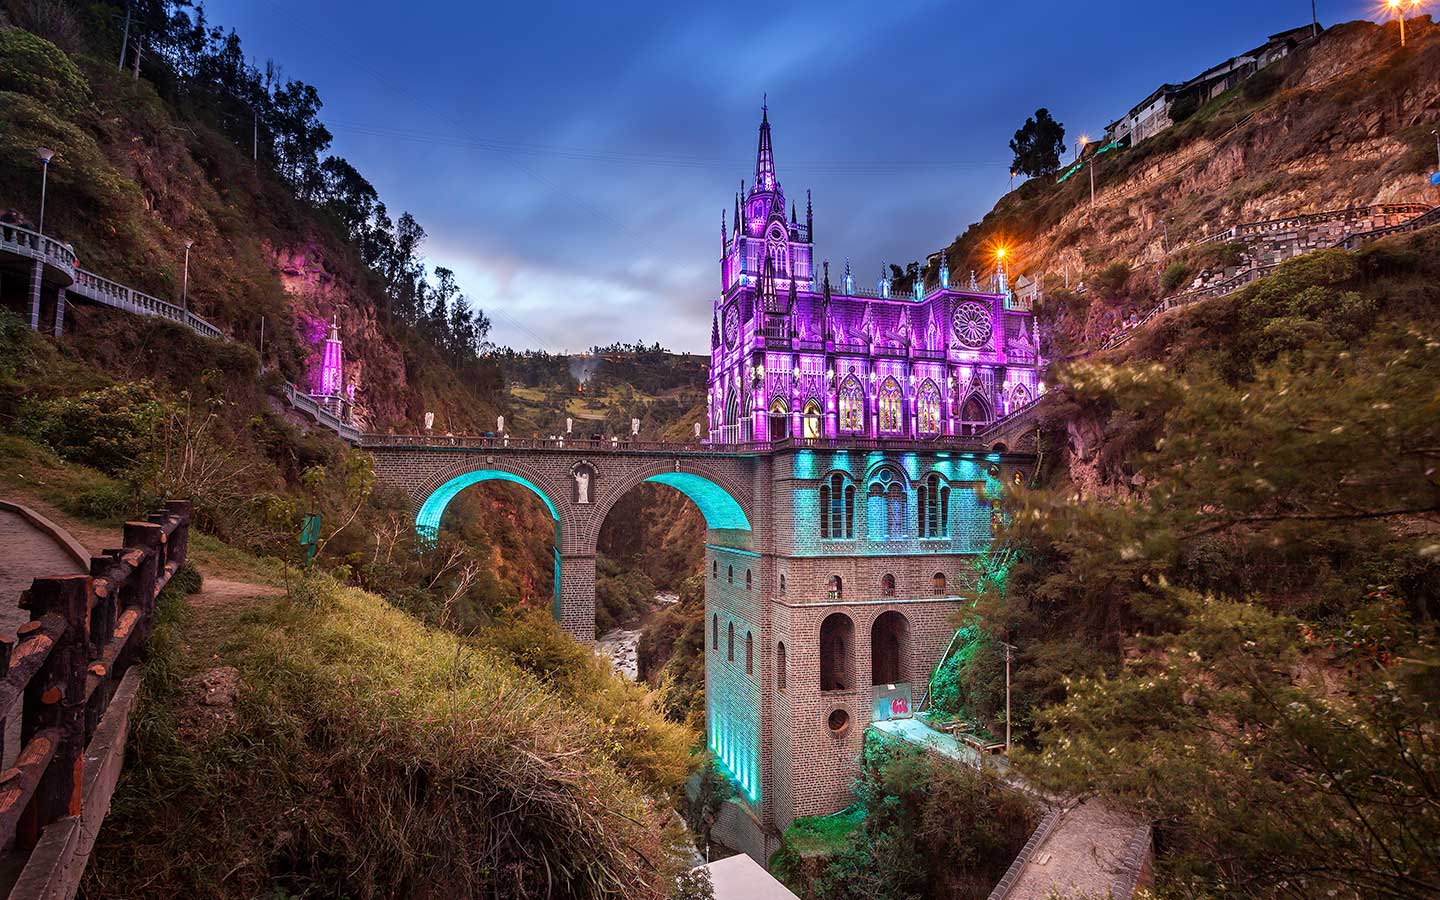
(70, 667)
(26, 242)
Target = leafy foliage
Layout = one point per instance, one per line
(109, 429)
(1038, 144)
(927, 829)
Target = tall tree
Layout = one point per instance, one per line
(1038, 144)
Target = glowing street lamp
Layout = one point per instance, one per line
(1397, 9)
(45, 155)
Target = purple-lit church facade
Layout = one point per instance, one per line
(796, 356)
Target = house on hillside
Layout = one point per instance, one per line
(1153, 115)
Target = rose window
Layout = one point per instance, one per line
(972, 324)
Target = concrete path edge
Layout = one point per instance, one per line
(60, 535)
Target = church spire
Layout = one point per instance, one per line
(809, 219)
(765, 155)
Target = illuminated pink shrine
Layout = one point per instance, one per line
(796, 358)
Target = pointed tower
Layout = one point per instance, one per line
(765, 155)
(809, 219)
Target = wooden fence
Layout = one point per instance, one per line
(71, 669)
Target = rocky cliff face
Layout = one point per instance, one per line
(1344, 121)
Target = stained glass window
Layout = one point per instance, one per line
(928, 408)
(852, 405)
(892, 416)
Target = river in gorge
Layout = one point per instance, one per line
(622, 645)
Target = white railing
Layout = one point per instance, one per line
(118, 296)
(32, 244)
(25, 242)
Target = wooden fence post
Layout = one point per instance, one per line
(183, 510)
(149, 538)
(55, 698)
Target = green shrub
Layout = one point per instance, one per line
(108, 429)
(1110, 281)
(33, 66)
(1176, 274)
(187, 579)
(105, 502)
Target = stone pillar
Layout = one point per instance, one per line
(36, 281)
(575, 603)
(59, 311)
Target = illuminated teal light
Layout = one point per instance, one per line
(427, 521)
(718, 507)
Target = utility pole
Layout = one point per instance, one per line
(185, 283)
(1314, 21)
(124, 40)
(1436, 133)
(139, 48)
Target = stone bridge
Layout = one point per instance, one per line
(580, 481)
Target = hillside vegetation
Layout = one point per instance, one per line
(1345, 121)
(1225, 596)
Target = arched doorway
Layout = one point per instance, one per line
(812, 420)
(890, 649)
(837, 653)
(974, 414)
(779, 419)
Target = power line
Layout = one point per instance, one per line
(663, 160)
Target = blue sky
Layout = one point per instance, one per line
(570, 161)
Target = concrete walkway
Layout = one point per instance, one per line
(26, 553)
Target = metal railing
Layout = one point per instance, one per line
(315, 408)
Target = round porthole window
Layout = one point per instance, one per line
(839, 722)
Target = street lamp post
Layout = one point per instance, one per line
(1166, 223)
(45, 155)
(1436, 135)
(1397, 8)
(185, 282)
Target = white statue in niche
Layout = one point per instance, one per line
(582, 487)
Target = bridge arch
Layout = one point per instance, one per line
(725, 505)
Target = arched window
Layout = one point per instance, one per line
(837, 508)
(889, 649)
(887, 585)
(812, 419)
(782, 582)
(714, 631)
(1019, 397)
(892, 407)
(933, 496)
(779, 419)
(974, 413)
(730, 644)
(937, 584)
(927, 409)
(730, 574)
(749, 652)
(780, 665)
(852, 405)
(732, 407)
(835, 590)
(885, 516)
(749, 584)
(837, 639)
(714, 568)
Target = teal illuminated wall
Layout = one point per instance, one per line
(427, 521)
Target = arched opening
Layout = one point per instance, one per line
(974, 414)
(779, 419)
(927, 409)
(780, 666)
(730, 644)
(812, 420)
(852, 405)
(887, 585)
(749, 582)
(889, 649)
(749, 654)
(714, 631)
(937, 584)
(891, 403)
(479, 518)
(837, 507)
(933, 507)
(835, 590)
(837, 647)
(654, 536)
